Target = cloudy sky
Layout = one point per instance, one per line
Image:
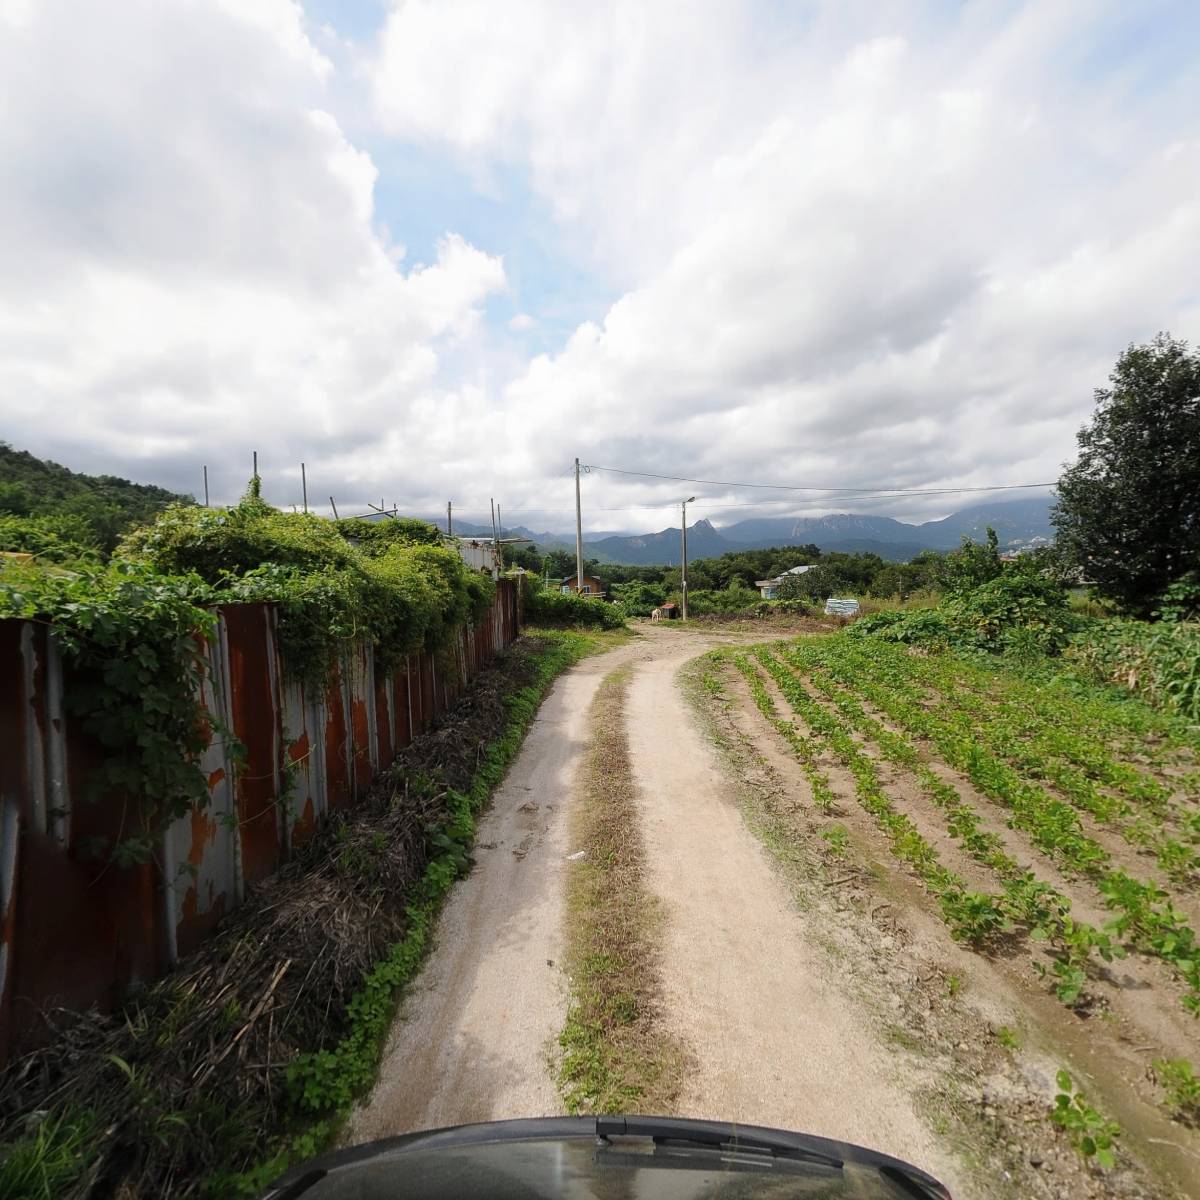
(438, 248)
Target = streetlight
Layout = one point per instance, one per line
(683, 589)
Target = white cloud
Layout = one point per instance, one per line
(853, 243)
(195, 270)
(885, 245)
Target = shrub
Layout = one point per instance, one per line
(1181, 601)
(376, 537)
(568, 609)
(1019, 612)
(55, 538)
(920, 627)
(639, 599)
(972, 564)
(738, 599)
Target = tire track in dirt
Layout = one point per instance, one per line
(477, 1031)
(473, 1037)
(746, 984)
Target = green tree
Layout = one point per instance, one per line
(1128, 512)
(523, 556)
(559, 564)
(823, 581)
(972, 564)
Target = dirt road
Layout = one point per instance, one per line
(780, 1038)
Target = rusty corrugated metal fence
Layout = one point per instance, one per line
(77, 931)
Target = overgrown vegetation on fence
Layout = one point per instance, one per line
(130, 629)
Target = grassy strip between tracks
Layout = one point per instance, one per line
(616, 1057)
(121, 1112)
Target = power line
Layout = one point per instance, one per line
(789, 487)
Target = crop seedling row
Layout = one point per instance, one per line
(1143, 911)
(973, 917)
(1028, 901)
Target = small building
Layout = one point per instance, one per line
(485, 553)
(479, 553)
(769, 588)
(590, 586)
(666, 612)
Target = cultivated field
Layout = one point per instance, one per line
(1052, 833)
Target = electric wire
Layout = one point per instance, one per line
(790, 487)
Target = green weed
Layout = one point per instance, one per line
(1181, 1084)
(45, 1162)
(1092, 1134)
(1010, 1039)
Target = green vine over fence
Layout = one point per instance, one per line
(132, 632)
(131, 637)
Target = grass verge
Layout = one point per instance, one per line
(616, 1056)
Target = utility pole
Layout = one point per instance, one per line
(449, 518)
(578, 535)
(304, 488)
(255, 464)
(500, 542)
(495, 538)
(206, 486)
(334, 507)
(683, 530)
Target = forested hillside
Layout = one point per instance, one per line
(47, 508)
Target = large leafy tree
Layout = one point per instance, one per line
(1128, 512)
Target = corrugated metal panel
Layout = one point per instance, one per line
(385, 718)
(201, 855)
(254, 705)
(358, 673)
(75, 929)
(401, 706)
(336, 740)
(416, 711)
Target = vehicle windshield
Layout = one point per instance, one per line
(605, 1159)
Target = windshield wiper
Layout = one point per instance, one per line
(666, 1132)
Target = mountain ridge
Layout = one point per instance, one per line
(1019, 524)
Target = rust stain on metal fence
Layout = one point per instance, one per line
(254, 704)
(76, 929)
(337, 745)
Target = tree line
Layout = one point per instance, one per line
(1127, 516)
